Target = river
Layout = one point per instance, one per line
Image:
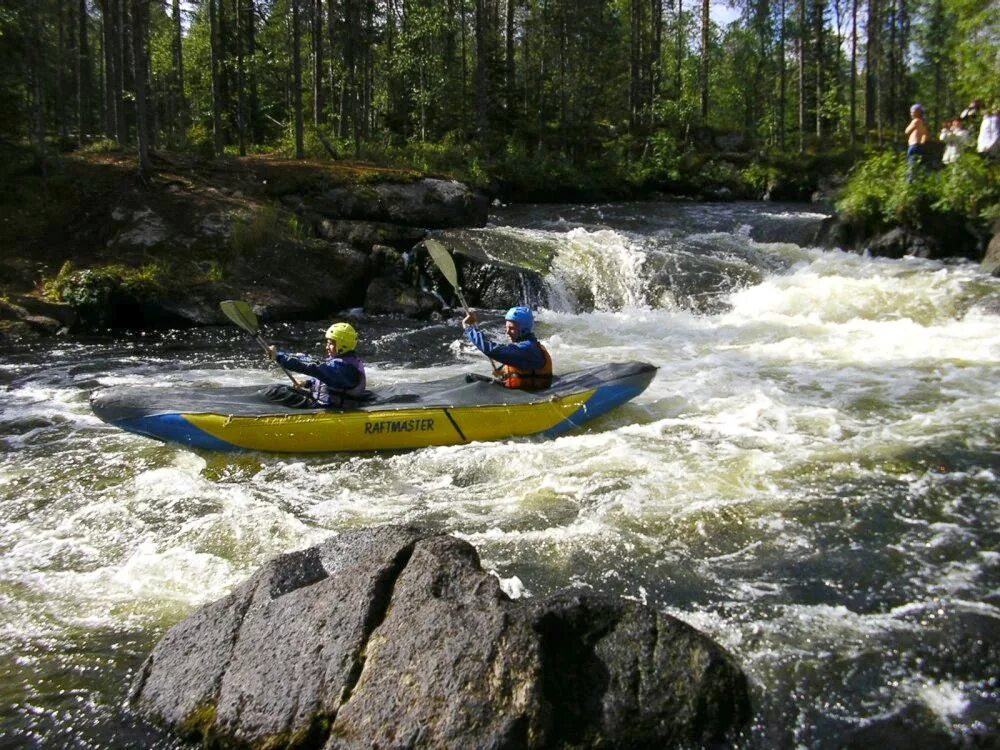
(811, 478)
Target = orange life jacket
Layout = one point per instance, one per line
(527, 380)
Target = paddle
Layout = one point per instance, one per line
(446, 264)
(242, 315)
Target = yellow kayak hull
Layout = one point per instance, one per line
(453, 411)
(375, 431)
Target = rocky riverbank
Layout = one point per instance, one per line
(92, 246)
(297, 240)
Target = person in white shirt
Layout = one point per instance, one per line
(989, 133)
(955, 139)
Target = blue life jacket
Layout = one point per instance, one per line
(329, 394)
(332, 381)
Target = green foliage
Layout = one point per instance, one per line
(759, 176)
(970, 186)
(866, 197)
(92, 291)
(590, 94)
(102, 146)
(879, 195)
(662, 162)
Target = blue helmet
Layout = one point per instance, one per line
(522, 316)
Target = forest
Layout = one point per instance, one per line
(559, 90)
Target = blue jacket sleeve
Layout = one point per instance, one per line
(523, 354)
(335, 374)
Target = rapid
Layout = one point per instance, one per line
(811, 479)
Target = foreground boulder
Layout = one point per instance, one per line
(394, 637)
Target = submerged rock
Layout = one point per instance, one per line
(395, 637)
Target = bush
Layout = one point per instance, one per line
(970, 186)
(870, 189)
(93, 292)
(879, 196)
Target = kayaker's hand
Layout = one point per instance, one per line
(272, 352)
(470, 319)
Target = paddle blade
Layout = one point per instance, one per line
(443, 260)
(241, 314)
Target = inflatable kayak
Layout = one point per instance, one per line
(452, 411)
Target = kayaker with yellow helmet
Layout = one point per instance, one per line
(525, 363)
(340, 376)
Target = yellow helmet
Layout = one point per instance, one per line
(343, 335)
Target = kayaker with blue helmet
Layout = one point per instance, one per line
(525, 363)
(339, 378)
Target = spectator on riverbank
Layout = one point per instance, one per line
(989, 133)
(955, 138)
(972, 115)
(917, 135)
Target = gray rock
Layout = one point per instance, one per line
(64, 314)
(899, 242)
(366, 234)
(284, 281)
(24, 322)
(494, 271)
(278, 655)
(425, 203)
(390, 296)
(396, 637)
(454, 664)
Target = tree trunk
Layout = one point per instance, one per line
(83, 92)
(36, 86)
(300, 151)
(317, 67)
(818, 20)
(120, 67)
(482, 80)
(871, 68)
(114, 107)
(635, 31)
(216, 53)
(179, 100)
(679, 59)
(336, 89)
(107, 24)
(782, 78)
(509, 82)
(351, 90)
(137, 39)
(705, 20)
(802, 74)
(254, 116)
(241, 108)
(854, 73)
(60, 97)
(656, 58)
(116, 125)
(465, 68)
